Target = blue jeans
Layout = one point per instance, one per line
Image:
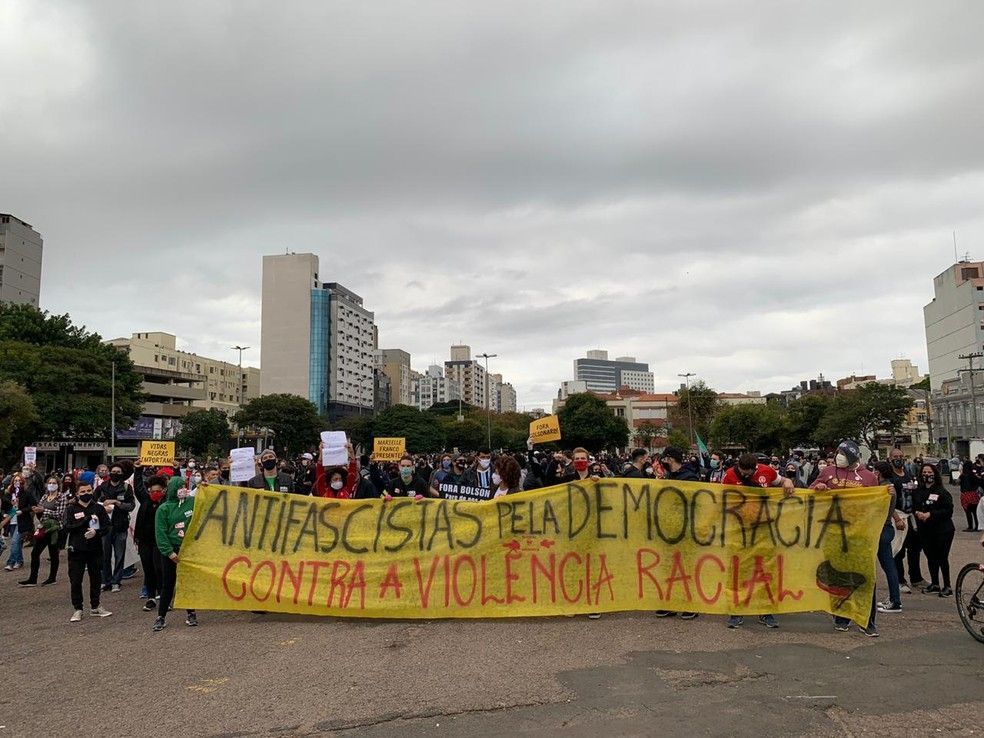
(16, 546)
(887, 563)
(114, 550)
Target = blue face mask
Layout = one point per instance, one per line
(446, 465)
(715, 463)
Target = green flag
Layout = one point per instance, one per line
(702, 447)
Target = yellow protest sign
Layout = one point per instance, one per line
(389, 449)
(157, 453)
(545, 429)
(577, 548)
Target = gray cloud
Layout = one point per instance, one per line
(753, 191)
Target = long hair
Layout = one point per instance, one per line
(937, 485)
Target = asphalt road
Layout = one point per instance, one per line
(628, 674)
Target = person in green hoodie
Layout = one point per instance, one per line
(170, 524)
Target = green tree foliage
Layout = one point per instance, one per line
(860, 413)
(803, 419)
(678, 438)
(18, 417)
(424, 431)
(647, 432)
(585, 420)
(450, 409)
(754, 427)
(358, 428)
(704, 402)
(294, 420)
(469, 434)
(67, 372)
(204, 432)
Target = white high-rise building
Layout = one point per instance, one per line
(954, 320)
(21, 249)
(433, 388)
(469, 374)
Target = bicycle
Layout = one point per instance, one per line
(970, 599)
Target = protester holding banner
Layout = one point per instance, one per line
(634, 470)
(270, 477)
(49, 533)
(580, 471)
(151, 494)
(408, 483)
(337, 481)
(506, 476)
(933, 509)
(439, 474)
(170, 522)
(86, 522)
(117, 497)
(480, 475)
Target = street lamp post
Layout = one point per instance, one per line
(488, 394)
(690, 404)
(239, 430)
(112, 417)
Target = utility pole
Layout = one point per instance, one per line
(239, 430)
(973, 397)
(488, 394)
(112, 417)
(690, 404)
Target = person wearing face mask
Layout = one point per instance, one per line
(716, 468)
(68, 485)
(506, 476)
(86, 522)
(151, 495)
(905, 485)
(637, 463)
(270, 477)
(49, 534)
(439, 474)
(170, 523)
(580, 471)
(970, 495)
(933, 509)
(20, 499)
(818, 467)
(102, 474)
(407, 483)
(336, 481)
(306, 475)
(481, 474)
(117, 497)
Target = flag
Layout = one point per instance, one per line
(702, 448)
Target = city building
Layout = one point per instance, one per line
(571, 387)
(21, 250)
(647, 414)
(382, 391)
(179, 382)
(854, 381)
(468, 374)
(395, 364)
(507, 398)
(433, 388)
(741, 398)
(494, 388)
(805, 387)
(954, 320)
(602, 375)
(317, 338)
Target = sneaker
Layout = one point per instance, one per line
(688, 615)
(116, 588)
(100, 612)
(842, 627)
(931, 589)
(150, 604)
(46, 582)
(106, 587)
(889, 607)
(904, 589)
(919, 583)
(130, 572)
(143, 593)
(27, 583)
(594, 616)
(159, 624)
(191, 620)
(769, 621)
(946, 592)
(735, 620)
(664, 614)
(76, 617)
(8, 567)
(17, 566)
(871, 631)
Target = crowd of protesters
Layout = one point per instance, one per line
(88, 513)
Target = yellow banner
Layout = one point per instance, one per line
(579, 548)
(389, 449)
(545, 429)
(157, 453)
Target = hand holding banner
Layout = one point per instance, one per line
(243, 466)
(334, 451)
(157, 453)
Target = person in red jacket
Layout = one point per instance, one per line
(337, 481)
(749, 473)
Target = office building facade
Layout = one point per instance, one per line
(21, 251)
(600, 374)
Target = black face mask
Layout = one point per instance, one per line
(898, 463)
(85, 498)
(269, 464)
(929, 480)
(115, 477)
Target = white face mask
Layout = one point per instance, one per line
(484, 463)
(52, 487)
(496, 479)
(337, 484)
(841, 461)
(191, 464)
(197, 479)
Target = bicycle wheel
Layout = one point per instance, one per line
(970, 599)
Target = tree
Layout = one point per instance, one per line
(423, 431)
(585, 420)
(18, 417)
(860, 413)
(804, 418)
(648, 431)
(358, 428)
(466, 435)
(293, 419)
(450, 408)
(702, 400)
(204, 433)
(67, 372)
(678, 439)
(753, 427)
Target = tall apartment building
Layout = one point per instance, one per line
(507, 398)
(21, 249)
(469, 374)
(954, 320)
(395, 364)
(179, 382)
(433, 388)
(603, 375)
(317, 338)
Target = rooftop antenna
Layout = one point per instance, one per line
(955, 258)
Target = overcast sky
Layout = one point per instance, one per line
(752, 191)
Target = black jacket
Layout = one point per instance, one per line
(26, 499)
(77, 520)
(144, 529)
(684, 474)
(416, 486)
(122, 493)
(940, 509)
(284, 483)
(631, 472)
